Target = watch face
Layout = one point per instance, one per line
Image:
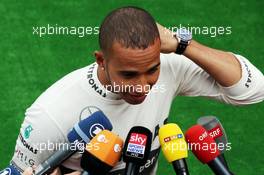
(184, 34)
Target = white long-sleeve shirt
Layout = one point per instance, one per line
(80, 93)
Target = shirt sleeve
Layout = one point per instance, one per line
(39, 137)
(194, 81)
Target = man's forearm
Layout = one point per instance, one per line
(222, 66)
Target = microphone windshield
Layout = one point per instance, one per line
(137, 145)
(172, 142)
(86, 129)
(202, 144)
(215, 130)
(102, 153)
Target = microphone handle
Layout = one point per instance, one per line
(223, 160)
(218, 167)
(180, 167)
(54, 161)
(132, 169)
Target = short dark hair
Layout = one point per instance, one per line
(130, 26)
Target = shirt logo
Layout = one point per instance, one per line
(24, 158)
(28, 146)
(27, 131)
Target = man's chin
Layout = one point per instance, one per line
(134, 100)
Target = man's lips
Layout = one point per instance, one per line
(139, 97)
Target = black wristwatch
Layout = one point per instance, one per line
(184, 38)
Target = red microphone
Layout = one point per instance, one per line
(205, 149)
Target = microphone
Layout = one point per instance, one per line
(207, 151)
(174, 147)
(217, 132)
(80, 134)
(102, 153)
(137, 148)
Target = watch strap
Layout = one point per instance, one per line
(181, 47)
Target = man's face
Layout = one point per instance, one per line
(133, 70)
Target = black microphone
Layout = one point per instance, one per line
(136, 149)
(81, 134)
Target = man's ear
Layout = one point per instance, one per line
(99, 59)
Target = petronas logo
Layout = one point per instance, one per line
(27, 131)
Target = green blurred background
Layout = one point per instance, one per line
(30, 64)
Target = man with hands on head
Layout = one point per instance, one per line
(133, 53)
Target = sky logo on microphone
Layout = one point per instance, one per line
(136, 146)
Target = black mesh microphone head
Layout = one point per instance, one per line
(215, 129)
(137, 145)
(93, 165)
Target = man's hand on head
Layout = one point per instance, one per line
(168, 41)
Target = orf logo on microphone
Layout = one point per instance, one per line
(96, 129)
(136, 146)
